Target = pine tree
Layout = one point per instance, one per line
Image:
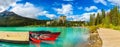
(115, 16)
(97, 20)
(92, 19)
(106, 20)
(112, 17)
(103, 15)
(119, 18)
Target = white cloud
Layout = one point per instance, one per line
(91, 8)
(30, 11)
(51, 16)
(66, 9)
(82, 17)
(45, 13)
(115, 2)
(4, 4)
(101, 1)
(86, 16)
(73, 18)
(26, 10)
(80, 8)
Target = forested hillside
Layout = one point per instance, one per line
(106, 19)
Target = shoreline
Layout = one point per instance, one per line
(94, 39)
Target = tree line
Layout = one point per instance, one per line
(106, 18)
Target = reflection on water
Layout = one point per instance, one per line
(69, 37)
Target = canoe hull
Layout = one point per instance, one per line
(51, 36)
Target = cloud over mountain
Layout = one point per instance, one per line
(4, 4)
(75, 10)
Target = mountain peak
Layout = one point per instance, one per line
(6, 13)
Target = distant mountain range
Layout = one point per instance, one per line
(8, 18)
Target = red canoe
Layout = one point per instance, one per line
(38, 37)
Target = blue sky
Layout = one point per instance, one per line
(75, 10)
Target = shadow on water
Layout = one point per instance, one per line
(5, 44)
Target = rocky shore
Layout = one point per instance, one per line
(94, 39)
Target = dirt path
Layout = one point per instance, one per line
(110, 38)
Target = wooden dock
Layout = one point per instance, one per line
(14, 37)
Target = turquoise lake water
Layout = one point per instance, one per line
(69, 37)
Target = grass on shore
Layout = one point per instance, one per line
(109, 26)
